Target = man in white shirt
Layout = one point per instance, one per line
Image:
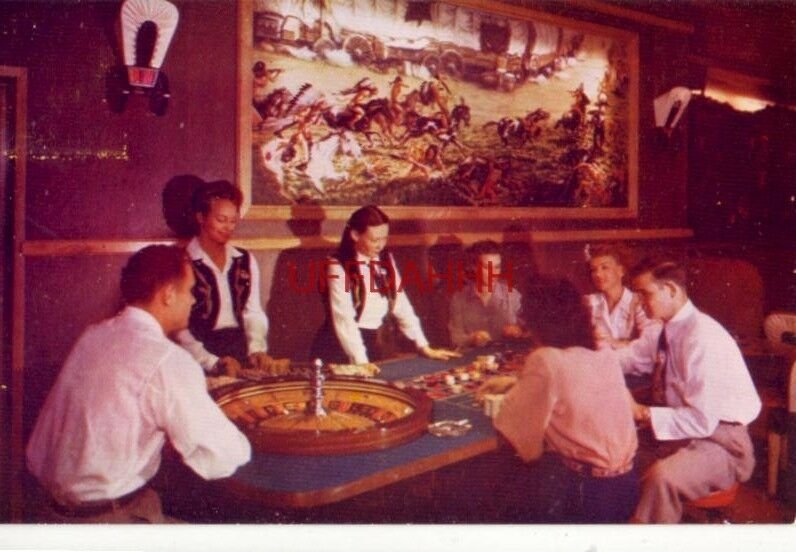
(228, 326)
(707, 398)
(124, 389)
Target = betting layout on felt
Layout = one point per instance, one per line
(460, 380)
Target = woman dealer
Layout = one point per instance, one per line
(364, 287)
(228, 327)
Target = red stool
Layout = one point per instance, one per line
(716, 505)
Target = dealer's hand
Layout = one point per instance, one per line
(439, 354)
(228, 365)
(260, 361)
(480, 338)
(512, 331)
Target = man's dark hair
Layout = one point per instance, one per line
(150, 269)
(556, 314)
(615, 251)
(484, 247)
(661, 271)
(218, 189)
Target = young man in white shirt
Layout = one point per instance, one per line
(124, 389)
(706, 396)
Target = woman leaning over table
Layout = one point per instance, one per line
(363, 287)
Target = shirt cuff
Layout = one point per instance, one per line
(257, 346)
(421, 342)
(209, 363)
(661, 423)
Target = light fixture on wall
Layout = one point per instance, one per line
(147, 27)
(669, 108)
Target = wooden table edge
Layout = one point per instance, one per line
(330, 495)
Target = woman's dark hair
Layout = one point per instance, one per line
(218, 189)
(359, 221)
(556, 313)
(150, 269)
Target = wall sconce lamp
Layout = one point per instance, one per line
(669, 108)
(147, 27)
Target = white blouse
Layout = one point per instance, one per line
(626, 321)
(376, 307)
(255, 322)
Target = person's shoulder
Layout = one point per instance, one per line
(178, 362)
(194, 249)
(704, 322)
(508, 288)
(544, 355)
(592, 299)
(236, 251)
(461, 293)
(703, 331)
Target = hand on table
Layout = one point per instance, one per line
(641, 412)
(260, 361)
(367, 369)
(228, 366)
(263, 363)
(495, 386)
(480, 338)
(439, 354)
(512, 331)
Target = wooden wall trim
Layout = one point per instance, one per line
(20, 152)
(633, 15)
(67, 248)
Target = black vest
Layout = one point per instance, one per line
(205, 311)
(358, 287)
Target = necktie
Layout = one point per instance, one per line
(380, 279)
(659, 372)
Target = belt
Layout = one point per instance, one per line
(584, 468)
(96, 507)
(723, 422)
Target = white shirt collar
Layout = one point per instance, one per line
(365, 259)
(686, 311)
(624, 300)
(143, 317)
(196, 252)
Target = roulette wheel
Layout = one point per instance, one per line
(356, 415)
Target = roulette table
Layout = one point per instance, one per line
(324, 473)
